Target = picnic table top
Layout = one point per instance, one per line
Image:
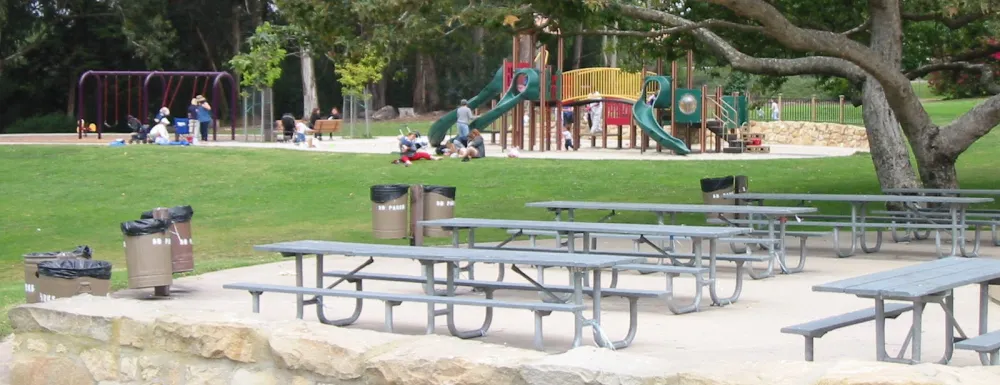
(918, 280)
(950, 191)
(591, 227)
(450, 254)
(673, 208)
(859, 198)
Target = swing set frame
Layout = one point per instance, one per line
(167, 77)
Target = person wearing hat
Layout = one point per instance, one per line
(204, 112)
(465, 117)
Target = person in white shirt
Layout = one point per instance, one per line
(301, 129)
(567, 139)
(159, 132)
(775, 111)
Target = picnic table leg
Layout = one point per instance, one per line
(955, 238)
(558, 235)
(984, 317)
(864, 232)
(880, 354)
(976, 237)
(429, 288)
(600, 336)
(714, 279)
(854, 235)
(771, 251)
(299, 300)
(450, 310)
(318, 300)
(950, 326)
(578, 300)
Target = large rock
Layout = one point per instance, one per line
(385, 113)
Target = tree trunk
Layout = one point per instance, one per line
(477, 59)
(380, 91)
(236, 35)
(888, 146)
(577, 51)
(309, 96)
(613, 54)
(71, 97)
(425, 88)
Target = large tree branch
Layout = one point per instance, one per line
(814, 65)
(950, 22)
(672, 30)
(858, 29)
(972, 125)
(897, 87)
(956, 62)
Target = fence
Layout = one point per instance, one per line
(804, 110)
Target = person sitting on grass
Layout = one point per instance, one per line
(301, 129)
(409, 150)
(476, 147)
(159, 134)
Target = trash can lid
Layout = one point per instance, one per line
(75, 268)
(388, 192)
(714, 184)
(82, 252)
(448, 191)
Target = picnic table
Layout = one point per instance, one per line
(571, 230)
(858, 220)
(929, 282)
(429, 256)
(775, 218)
(986, 217)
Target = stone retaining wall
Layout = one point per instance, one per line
(812, 134)
(105, 341)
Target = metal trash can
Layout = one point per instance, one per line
(712, 190)
(147, 253)
(390, 206)
(31, 261)
(68, 277)
(439, 203)
(181, 241)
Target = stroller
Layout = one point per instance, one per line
(140, 131)
(288, 127)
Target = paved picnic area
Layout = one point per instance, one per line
(741, 332)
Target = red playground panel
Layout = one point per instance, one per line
(617, 113)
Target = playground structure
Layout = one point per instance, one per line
(143, 101)
(692, 115)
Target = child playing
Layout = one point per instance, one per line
(408, 146)
(301, 129)
(567, 139)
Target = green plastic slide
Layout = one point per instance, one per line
(511, 98)
(439, 129)
(646, 119)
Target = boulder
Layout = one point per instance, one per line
(385, 113)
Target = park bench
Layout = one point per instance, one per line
(986, 344)
(818, 328)
(327, 126)
(975, 220)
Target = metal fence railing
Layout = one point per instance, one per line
(804, 110)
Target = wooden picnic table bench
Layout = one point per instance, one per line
(859, 225)
(773, 217)
(919, 285)
(327, 126)
(429, 256)
(584, 230)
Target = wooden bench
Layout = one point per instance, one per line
(328, 126)
(391, 300)
(988, 343)
(819, 328)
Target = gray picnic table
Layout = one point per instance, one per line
(929, 282)
(579, 266)
(774, 216)
(859, 202)
(992, 216)
(584, 230)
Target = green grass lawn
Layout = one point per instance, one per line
(57, 197)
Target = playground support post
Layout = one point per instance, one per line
(561, 122)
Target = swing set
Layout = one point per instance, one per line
(142, 83)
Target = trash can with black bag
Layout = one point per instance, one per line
(439, 203)
(390, 209)
(181, 240)
(713, 189)
(68, 277)
(147, 253)
(31, 261)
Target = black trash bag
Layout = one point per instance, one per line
(144, 227)
(716, 184)
(84, 252)
(388, 192)
(75, 268)
(179, 214)
(447, 191)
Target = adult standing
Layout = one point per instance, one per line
(192, 115)
(465, 117)
(204, 116)
(775, 111)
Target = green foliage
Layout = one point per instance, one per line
(261, 66)
(356, 75)
(147, 28)
(49, 123)
(959, 85)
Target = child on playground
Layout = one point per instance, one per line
(567, 139)
(409, 150)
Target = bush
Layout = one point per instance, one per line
(49, 123)
(959, 84)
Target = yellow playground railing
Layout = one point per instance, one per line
(611, 83)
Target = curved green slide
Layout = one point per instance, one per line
(440, 128)
(646, 119)
(511, 98)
